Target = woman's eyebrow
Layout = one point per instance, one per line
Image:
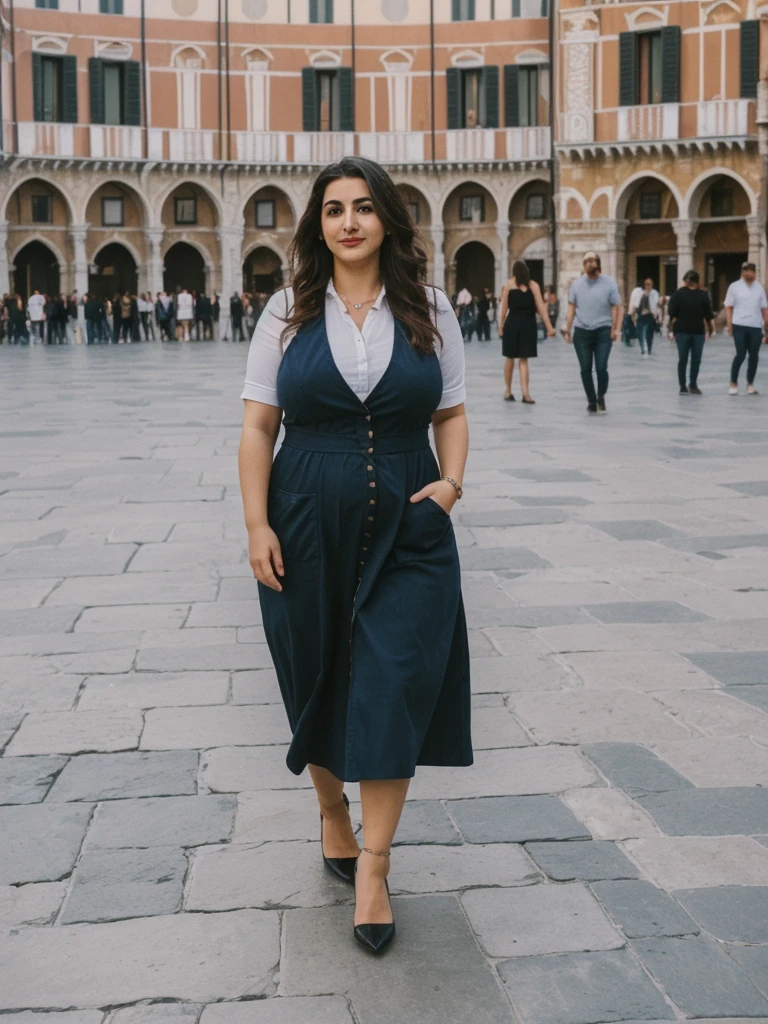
(338, 202)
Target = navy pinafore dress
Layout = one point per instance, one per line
(368, 636)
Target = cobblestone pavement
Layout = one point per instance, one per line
(605, 859)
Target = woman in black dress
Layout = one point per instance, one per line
(520, 302)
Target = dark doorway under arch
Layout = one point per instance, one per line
(475, 268)
(262, 271)
(184, 268)
(36, 268)
(115, 272)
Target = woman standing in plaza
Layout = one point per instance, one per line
(520, 302)
(349, 530)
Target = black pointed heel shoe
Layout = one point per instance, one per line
(375, 937)
(341, 867)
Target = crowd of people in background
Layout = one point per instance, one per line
(126, 318)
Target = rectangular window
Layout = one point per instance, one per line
(265, 213)
(721, 202)
(472, 99)
(463, 10)
(110, 6)
(528, 84)
(185, 209)
(650, 205)
(415, 211)
(321, 12)
(535, 207)
(328, 101)
(42, 210)
(649, 67)
(113, 212)
(530, 8)
(51, 88)
(472, 208)
(113, 94)
(48, 5)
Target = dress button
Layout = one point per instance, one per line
(366, 535)
(365, 549)
(368, 417)
(370, 433)
(372, 501)
(370, 451)
(372, 484)
(370, 469)
(370, 519)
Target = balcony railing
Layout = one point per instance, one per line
(723, 118)
(528, 143)
(470, 144)
(392, 147)
(322, 147)
(116, 142)
(652, 121)
(38, 138)
(261, 147)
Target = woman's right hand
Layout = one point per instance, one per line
(265, 557)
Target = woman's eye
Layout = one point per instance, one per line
(365, 209)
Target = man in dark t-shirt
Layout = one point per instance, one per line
(691, 322)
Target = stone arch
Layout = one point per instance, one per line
(604, 193)
(192, 277)
(569, 196)
(515, 209)
(42, 274)
(37, 237)
(187, 48)
(54, 187)
(469, 187)
(116, 240)
(629, 186)
(413, 194)
(263, 186)
(126, 271)
(136, 194)
(162, 199)
(473, 265)
(691, 203)
(263, 269)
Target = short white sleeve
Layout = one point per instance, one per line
(729, 297)
(763, 298)
(266, 351)
(451, 352)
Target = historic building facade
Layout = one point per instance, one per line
(150, 144)
(153, 143)
(661, 139)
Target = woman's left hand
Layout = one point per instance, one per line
(551, 332)
(440, 491)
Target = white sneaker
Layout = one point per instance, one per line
(733, 389)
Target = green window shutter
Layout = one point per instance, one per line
(96, 89)
(69, 89)
(313, 12)
(491, 85)
(515, 8)
(511, 95)
(627, 69)
(468, 6)
(346, 100)
(452, 83)
(309, 100)
(132, 93)
(749, 41)
(670, 64)
(37, 85)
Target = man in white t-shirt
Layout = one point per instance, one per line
(746, 312)
(184, 313)
(36, 314)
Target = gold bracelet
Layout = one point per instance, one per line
(457, 486)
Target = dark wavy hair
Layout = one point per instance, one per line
(402, 258)
(521, 273)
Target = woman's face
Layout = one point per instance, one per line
(351, 227)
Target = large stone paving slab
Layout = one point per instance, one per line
(170, 821)
(132, 774)
(736, 810)
(110, 885)
(40, 842)
(198, 957)
(515, 819)
(433, 938)
(732, 913)
(27, 780)
(641, 910)
(285, 1010)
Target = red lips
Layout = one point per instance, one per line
(352, 242)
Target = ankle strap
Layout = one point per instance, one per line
(376, 853)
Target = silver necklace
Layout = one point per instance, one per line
(358, 305)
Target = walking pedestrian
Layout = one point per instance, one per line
(36, 314)
(349, 529)
(691, 322)
(146, 311)
(184, 314)
(164, 316)
(215, 315)
(236, 312)
(644, 310)
(51, 311)
(486, 309)
(553, 305)
(520, 301)
(204, 314)
(746, 312)
(595, 306)
(95, 316)
(17, 321)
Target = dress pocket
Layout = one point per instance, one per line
(424, 524)
(294, 519)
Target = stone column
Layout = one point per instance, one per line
(5, 269)
(755, 242)
(685, 230)
(79, 235)
(231, 245)
(579, 37)
(437, 231)
(502, 264)
(153, 273)
(615, 262)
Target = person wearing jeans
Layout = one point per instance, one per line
(595, 306)
(691, 322)
(746, 311)
(644, 310)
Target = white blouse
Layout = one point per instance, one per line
(362, 357)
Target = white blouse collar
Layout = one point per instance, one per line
(333, 294)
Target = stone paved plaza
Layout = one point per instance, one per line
(605, 859)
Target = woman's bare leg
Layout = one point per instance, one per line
(338, 834)
(382, 806)
(509, 369)
(524, 379)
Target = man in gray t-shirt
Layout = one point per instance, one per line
(595, 306)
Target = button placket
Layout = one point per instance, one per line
(370, 470)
